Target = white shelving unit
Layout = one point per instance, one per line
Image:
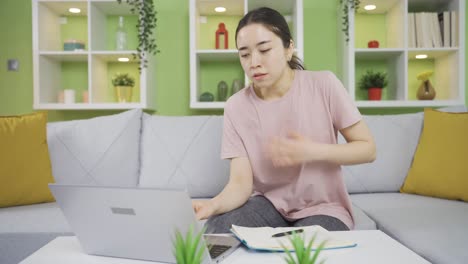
(389, 23)
(208, 65)
(90, 70)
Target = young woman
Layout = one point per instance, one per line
(280, 134)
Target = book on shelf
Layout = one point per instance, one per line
(278, 239)
(433, 30)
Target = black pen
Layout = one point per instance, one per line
(297, 231)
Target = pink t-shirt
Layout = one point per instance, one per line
(316, 106)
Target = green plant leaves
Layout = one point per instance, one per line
(373, 79)
(346, 5)
(189, 250)
(123, 79)
(302, 253)
(146, 25)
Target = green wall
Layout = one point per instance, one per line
(172, 73)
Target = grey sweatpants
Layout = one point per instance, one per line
(258, 212)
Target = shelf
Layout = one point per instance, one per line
(404, 103)
(207, 105)
(85, 106)
(283, 6)
(210, 66)
(56, 25)
(218, 55)
(380, 53)
(389, 24)
(65, 55)
(113, 56)
(431, 53)
(112, 7)
(88, 72)
(61, 7)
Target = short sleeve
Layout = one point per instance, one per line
(232, 145)
(343, 110)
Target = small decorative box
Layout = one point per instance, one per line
(73, 45)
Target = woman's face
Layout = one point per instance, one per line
(262, 55)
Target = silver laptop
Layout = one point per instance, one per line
(135, 223)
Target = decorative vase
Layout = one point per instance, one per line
(373, 44)
(123, 94)
(426, 91)
(236, 86)
(206, 97)
(222, 91)
(221, 35)
(374, 94)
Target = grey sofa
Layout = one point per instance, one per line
(136, 149)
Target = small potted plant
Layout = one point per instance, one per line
(188, 249)
(373, 82)
(123, 84)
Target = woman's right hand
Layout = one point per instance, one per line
(203, 208)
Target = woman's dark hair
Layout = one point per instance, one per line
(275, 22)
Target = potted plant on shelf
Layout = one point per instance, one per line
(188, 249)
(123, 85)
(373, 82)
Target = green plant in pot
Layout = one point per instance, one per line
(123, 85)
(303, 253)
(373, 82)
(188, 249)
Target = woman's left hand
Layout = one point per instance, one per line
(292, 150)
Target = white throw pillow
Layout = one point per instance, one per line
(183, 152)
(98, 151)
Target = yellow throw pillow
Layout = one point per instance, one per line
(25, 168)
(440, 164)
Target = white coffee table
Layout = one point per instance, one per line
(373, 247)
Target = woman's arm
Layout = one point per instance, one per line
(360, 146)
(236, 192)
(296, 149)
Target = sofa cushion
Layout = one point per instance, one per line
(361, 220)
(45, 217)
(439, 168)
(99, 151)
(183, 152)
(396, 138)
(25, 168)
(433, 228)
(15, 247)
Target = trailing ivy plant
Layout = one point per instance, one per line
(145, 27)
(346, 5)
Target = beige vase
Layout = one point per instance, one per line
(426, 91)
(123, 94)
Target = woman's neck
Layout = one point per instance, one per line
(278, 89)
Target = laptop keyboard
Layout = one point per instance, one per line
(216, 250)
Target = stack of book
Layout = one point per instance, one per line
(433, 30)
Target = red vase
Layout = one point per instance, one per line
(221, 31)
(373, 44)
(374, 94)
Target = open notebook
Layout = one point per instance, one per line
(261, 238)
